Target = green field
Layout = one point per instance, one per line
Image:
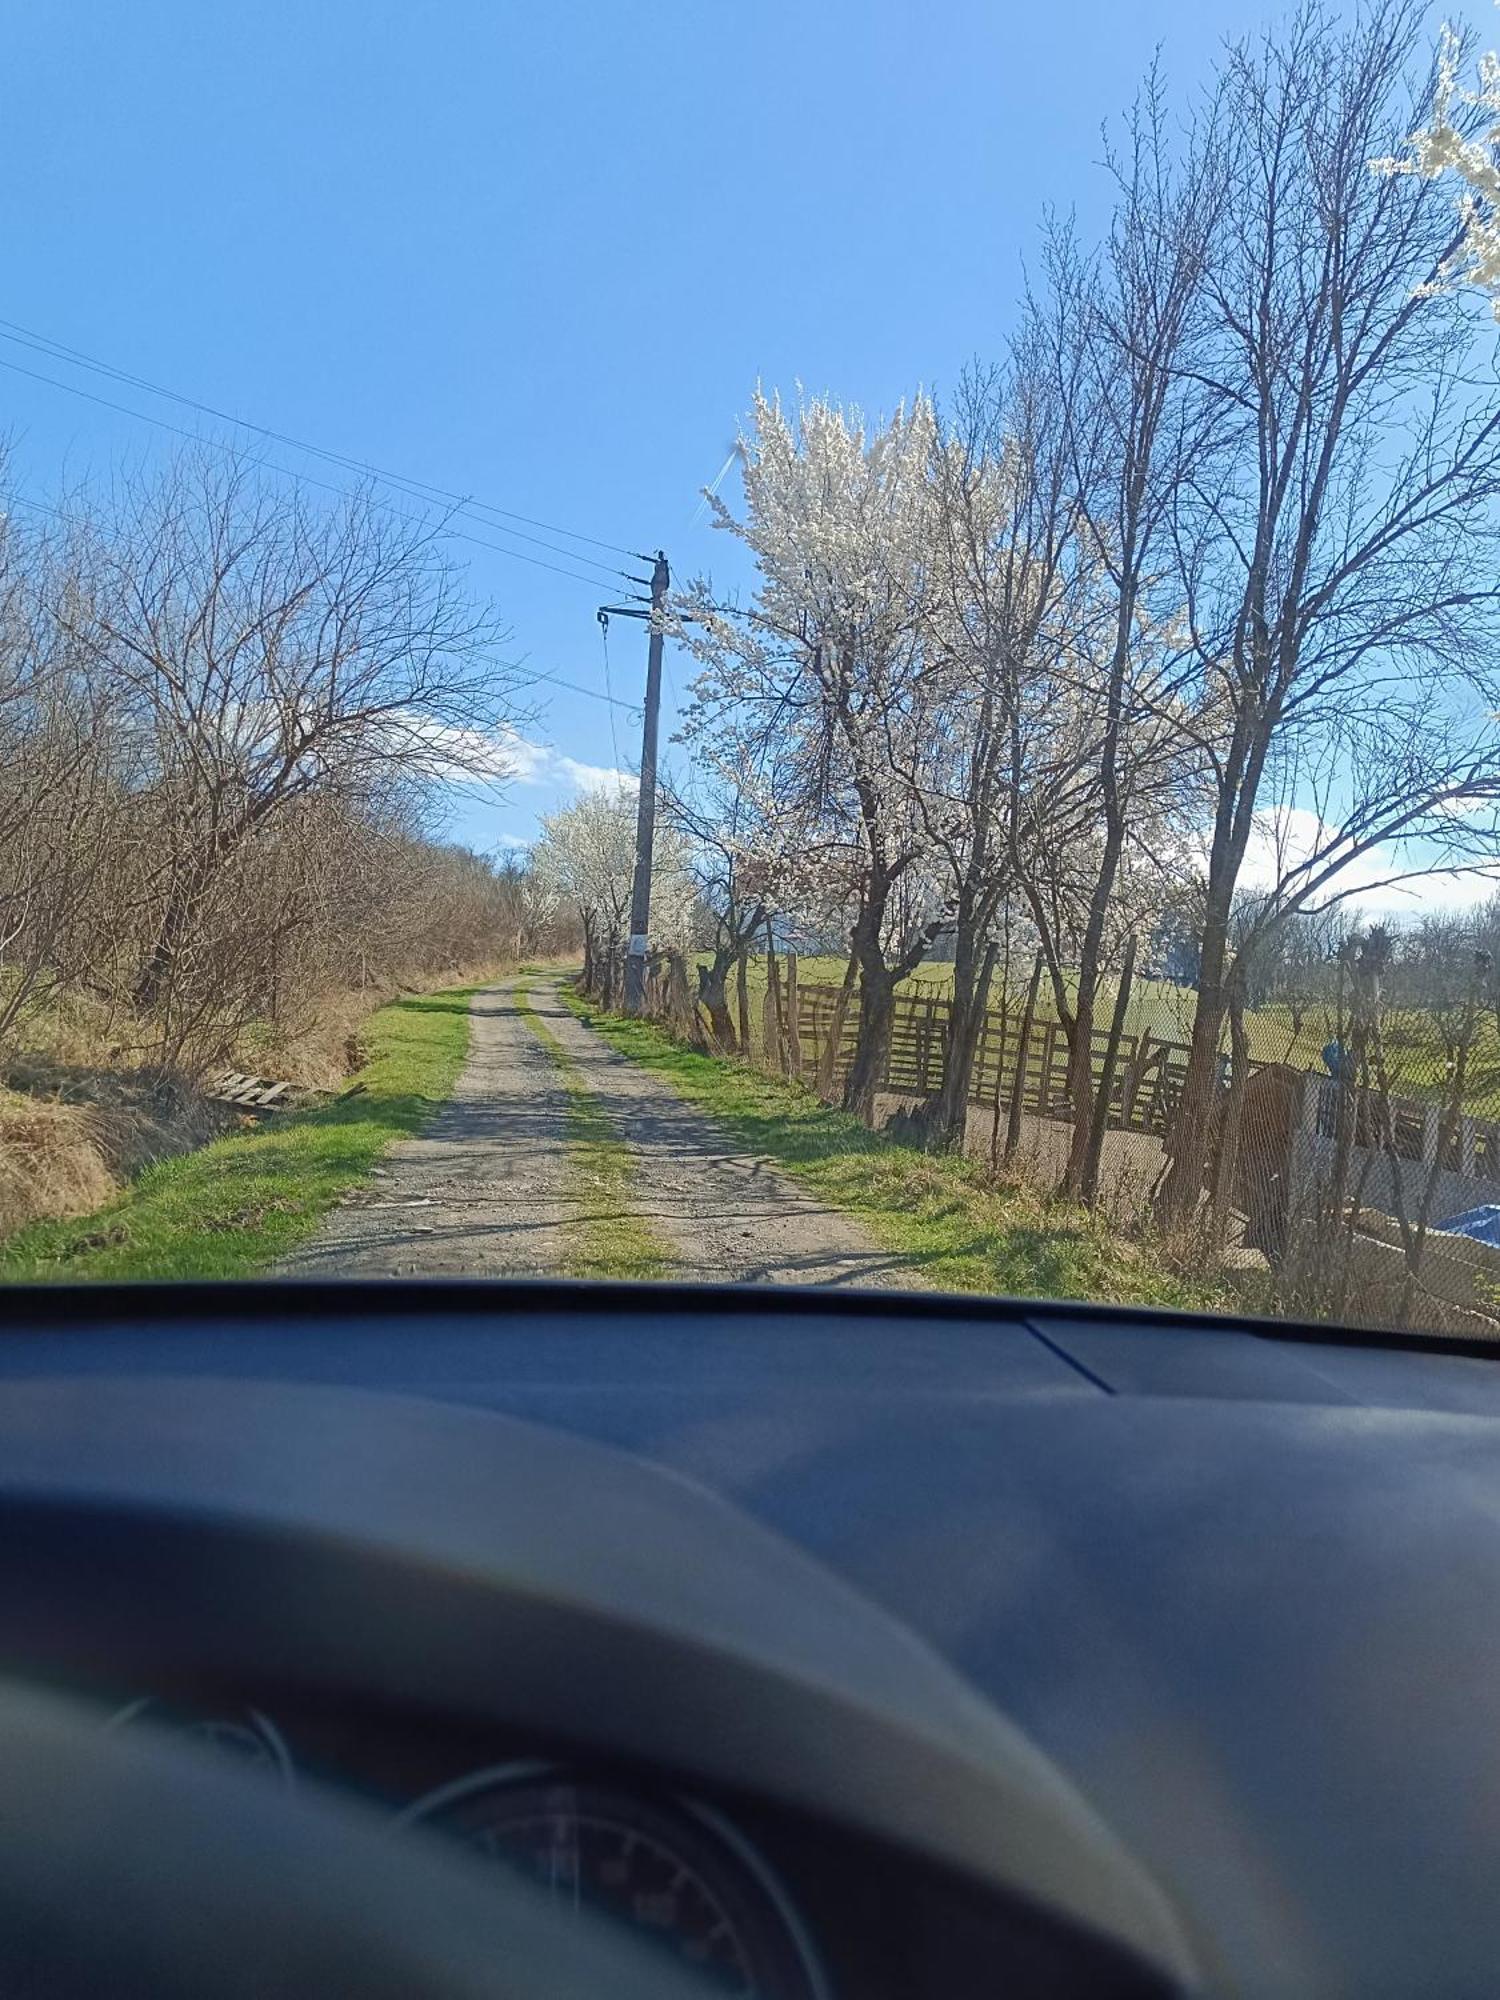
(1415, 1055)
(234, 1207)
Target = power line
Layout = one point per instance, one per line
(309, 479)
(556, 680)
(43, 343)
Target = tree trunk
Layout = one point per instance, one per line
(775, 1025)
(792, 1024)
(1088, 1187)
(1227, 1166)
(877, 992)
(1002, 1025)
(1018, 1083)
(712, 997)
(156, 971)
(1080, 1033)
(949, 1119)
(1183, 1187)
(681, 1014)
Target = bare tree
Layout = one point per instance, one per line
(1337, 551)
(736, 876)
(1004, 607)
(264, 650)
(1137, 425)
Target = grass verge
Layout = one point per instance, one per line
(610, 1239)
(234, 1207)
(958, 1231)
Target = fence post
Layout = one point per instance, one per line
(1089, 1182)
(742, 999)
(1018, 1085)
(793, 1024)
(775, 1026)
(828, 1057)
(1134, 1069)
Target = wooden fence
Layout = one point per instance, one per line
(1148, 1078)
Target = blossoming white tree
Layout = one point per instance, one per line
(586, 859)
(1461, 139)
(819, 685)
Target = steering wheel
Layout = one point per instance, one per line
(139, 1867)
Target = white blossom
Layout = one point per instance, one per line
(1442, 146)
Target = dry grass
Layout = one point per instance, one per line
(78, 1118)
(51, 1161)
(70, 1133)
(322, 1045)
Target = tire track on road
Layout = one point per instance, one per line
(490, 1188)
(480, 1193)
(728, 1217)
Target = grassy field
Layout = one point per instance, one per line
(232, 1208)
(1415, 1053)
(1165, 1009)
(959, 1232)
(610, 1239)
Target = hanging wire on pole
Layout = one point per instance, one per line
(609, 693)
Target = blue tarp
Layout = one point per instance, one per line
(1482, 1224)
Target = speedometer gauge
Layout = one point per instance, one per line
(670, 1872)
(243, 1733)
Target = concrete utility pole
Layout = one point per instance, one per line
(645, 812)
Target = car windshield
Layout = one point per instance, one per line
(723, 645)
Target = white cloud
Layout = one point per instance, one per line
(1287, 836)
(595, 777)
(525, 762)
(542, 764)
(464, 757)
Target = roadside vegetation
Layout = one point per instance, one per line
(232, 1208)
(1305, 1004)
(959, 1229)
(231, 715)
(608, 1237)
(1096, 690)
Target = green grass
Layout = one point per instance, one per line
(1414, 1045)
(611, 1239)
(958, 1231)
(238, 1205)
(1155, 1004)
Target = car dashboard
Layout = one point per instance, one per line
(844, 1645)
(759, 1900)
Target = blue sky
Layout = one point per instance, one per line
(540, 255)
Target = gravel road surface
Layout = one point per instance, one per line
(486, 1191)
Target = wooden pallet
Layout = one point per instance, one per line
(256, 1093)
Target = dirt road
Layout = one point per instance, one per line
(487, 1190)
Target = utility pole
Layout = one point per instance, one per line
(645, 811)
